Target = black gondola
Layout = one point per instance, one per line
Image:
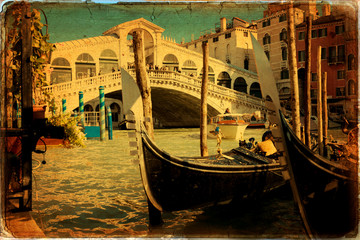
(327, 189)
(173, 183)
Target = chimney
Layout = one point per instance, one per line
(326, 10)
(222, 24)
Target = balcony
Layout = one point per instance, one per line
(266, 47)
(283, 64)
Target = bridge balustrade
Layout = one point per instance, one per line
(81, 84)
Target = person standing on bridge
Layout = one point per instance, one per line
(227, 111)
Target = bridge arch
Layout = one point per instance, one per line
(240, 85)
(171, 62)
(62, 71)
(148, 40)
(189, 68)
(108, 61)
(255, 90)
(85, 66)
(211, 74)
(224, 79)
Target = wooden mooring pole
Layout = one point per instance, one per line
(324, 111)
(319, 103)
(295, 104)
(203, 106)
(143, 82)
(307, 94)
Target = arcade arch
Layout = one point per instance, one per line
(61, 71)
(255, 90)
(85, 66)
(224, 80)
(108, 61)
(189, 68)
(211, 74)
(171, 62)
(240, 85)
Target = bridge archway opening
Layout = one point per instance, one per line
(171, 62)
(240, 85)
(211, 74)
(108, 61)
(61, 71)
(148, 46)
(85, 66)
(115, 111)
(224, 80)
(255, 90)
(189, 68)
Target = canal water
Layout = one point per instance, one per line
(97, 192)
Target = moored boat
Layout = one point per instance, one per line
(175, 183)
(327, 190)
(232, 126)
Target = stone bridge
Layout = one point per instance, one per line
(175, 96)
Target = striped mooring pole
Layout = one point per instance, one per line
(102, 113)
(110, 127)
(64, 105)
(81, 108)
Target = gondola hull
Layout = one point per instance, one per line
(186, 183)
(327, 189)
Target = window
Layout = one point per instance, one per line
(282, 18)
(323, 53)
(301, 56)
(314, 33)
(195, 45)
(246, 34)
(284, 53)
(341, 53)
(301, 35)
(313, 93)
(267, 53)
(215, 52)
(341, 74)
(283, 35)
(266, 39)
(215, 39)
(340, 91)
(227, 35)
(351, 88)
(322, 32)
(313, 77)
(339, 29)
(351, 62)
(266, 23)
(285, 74)
(246, 64)
(332, 55)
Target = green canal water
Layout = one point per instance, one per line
(97, 192)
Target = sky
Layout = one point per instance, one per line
(75, 21)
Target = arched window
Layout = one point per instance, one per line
(351, 88)
(351, 62)
(266, 39)
(171, 62)
(224, 80)
(228, 57)
(246, 63)
(61, 71)
(88, 108)
(85, 66)
(255, 90)
(240, 85)
(108, 61)
(283, 34)
(215, 52)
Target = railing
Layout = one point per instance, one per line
(81, 84)
(196, 82)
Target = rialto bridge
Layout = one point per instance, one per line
(174, 72)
